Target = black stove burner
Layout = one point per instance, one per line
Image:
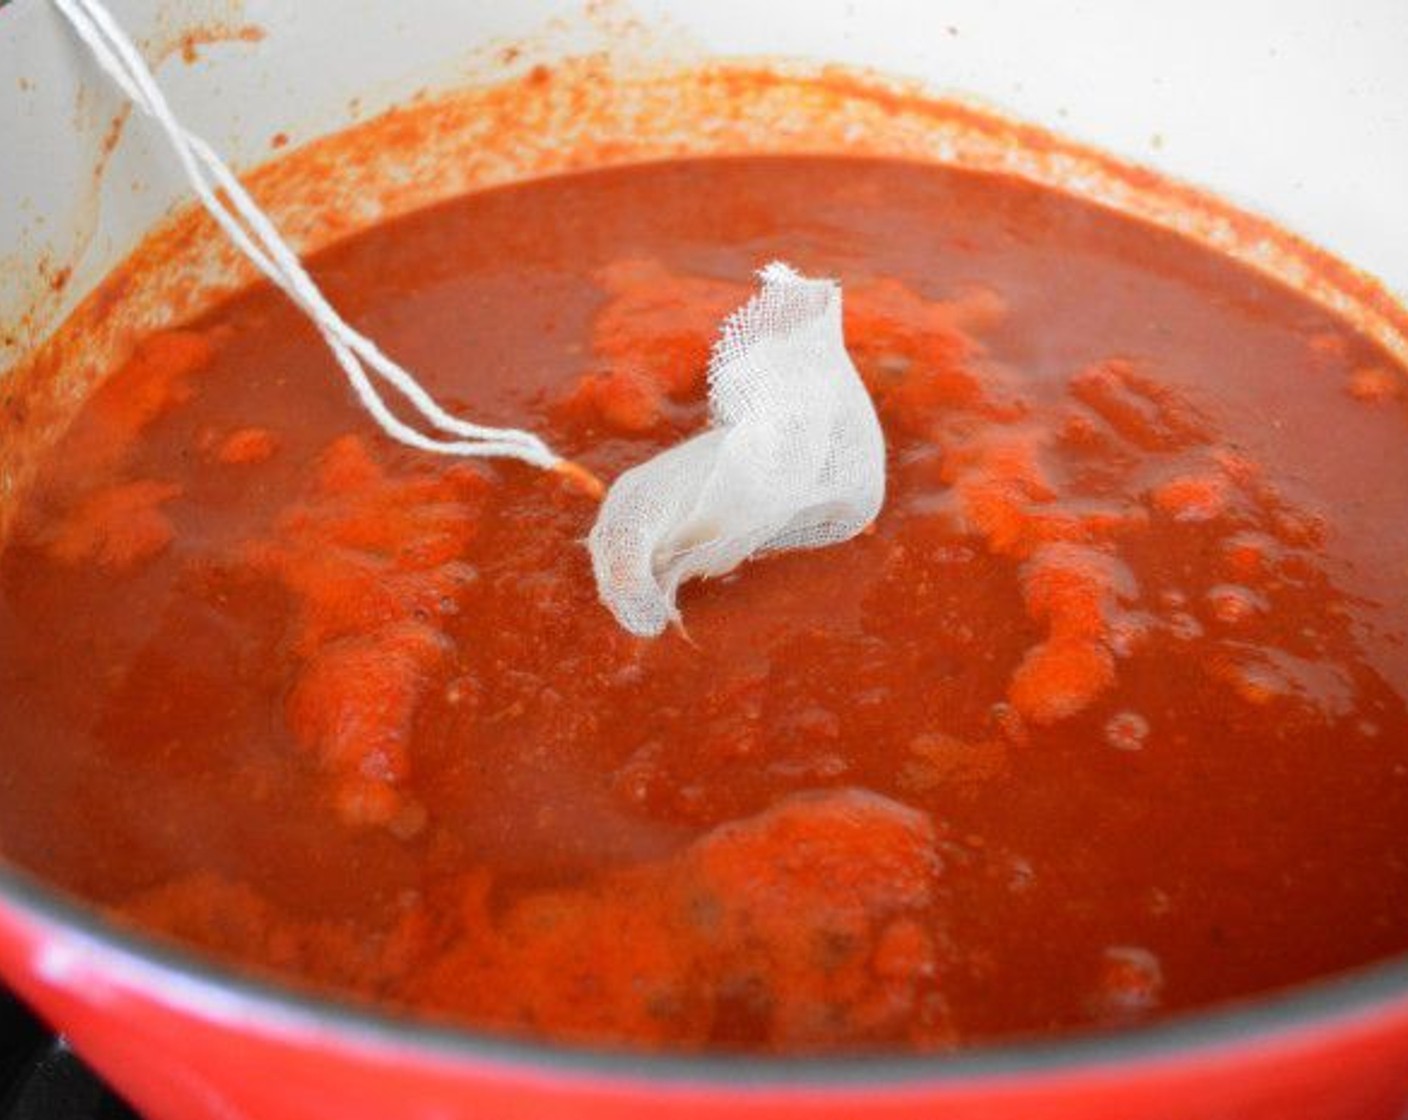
(42, 1079)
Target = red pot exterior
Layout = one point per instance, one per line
(183, 1047)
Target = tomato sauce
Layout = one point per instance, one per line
(1104, 719)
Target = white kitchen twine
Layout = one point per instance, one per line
(255, 236)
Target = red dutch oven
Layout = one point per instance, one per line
(184, 1039)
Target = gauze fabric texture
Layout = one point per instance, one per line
(793, 458)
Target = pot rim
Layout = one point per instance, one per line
(186, 980)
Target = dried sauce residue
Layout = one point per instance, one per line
(58, 265)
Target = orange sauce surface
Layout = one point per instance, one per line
(1104, 720)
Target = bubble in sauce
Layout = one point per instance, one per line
(1009, 724)
(1232, 604)
(641, 777)
(1129, 632)
(1130, 984)
(1250, 556)
(1021, 875)
(1127, 731)
(1200, 496)
(1183, 627)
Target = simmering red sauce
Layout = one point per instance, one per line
(1104, 719)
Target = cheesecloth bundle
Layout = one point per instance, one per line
(793, 458)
